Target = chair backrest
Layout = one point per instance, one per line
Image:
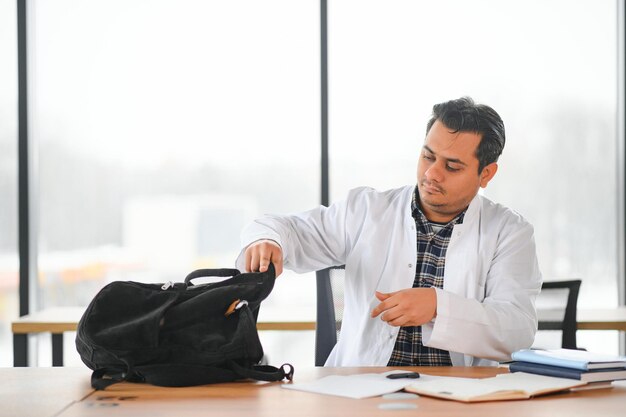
(553, 317)
(329, 311)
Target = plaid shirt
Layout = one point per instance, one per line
(429, 268)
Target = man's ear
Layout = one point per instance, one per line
(487, 174)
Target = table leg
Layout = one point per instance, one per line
(57, 349)
(20, 349)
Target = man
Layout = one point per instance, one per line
(435, 273)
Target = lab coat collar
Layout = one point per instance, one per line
(472, 215)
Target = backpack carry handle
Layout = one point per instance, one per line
(204, 273)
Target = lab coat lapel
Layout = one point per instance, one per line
(460, 275)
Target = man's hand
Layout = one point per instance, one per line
(259, 254)
(410, 307)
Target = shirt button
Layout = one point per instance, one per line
(410, 265)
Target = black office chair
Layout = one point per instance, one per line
(560, 318)
(329, 311)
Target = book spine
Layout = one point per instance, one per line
(559, 372)
(534, 358)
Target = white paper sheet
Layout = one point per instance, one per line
(354, 386)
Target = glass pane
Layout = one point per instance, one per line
(9, 263)
(163, 129)
(548, 67)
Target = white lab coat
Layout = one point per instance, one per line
(485, 310)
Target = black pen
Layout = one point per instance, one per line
(412, 375)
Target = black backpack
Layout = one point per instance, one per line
(178, 334)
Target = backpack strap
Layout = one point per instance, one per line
(164, 375)
(201, 273)
(185, 375)
(265, 372)
(101, 378)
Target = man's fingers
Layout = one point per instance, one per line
(382, 296)
(391, 315)
(268, 254)
(410, 307)
(259, 255)
(377, 310)
(247, 260)
(385, 305)
(398, 322)
(264, 263)
(252, 258)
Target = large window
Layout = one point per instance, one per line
(8, 178)
(548, 67)
(163, 127)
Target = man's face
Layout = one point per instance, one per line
(447, 172)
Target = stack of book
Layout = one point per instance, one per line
(568, 363)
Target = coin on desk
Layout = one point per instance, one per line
(397, 406)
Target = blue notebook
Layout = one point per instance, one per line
(596, 375)
(570, 358)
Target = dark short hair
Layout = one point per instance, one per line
(463, 115)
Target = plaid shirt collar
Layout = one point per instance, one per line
(423, 223)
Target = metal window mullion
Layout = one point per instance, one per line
(325, 179)
(23, 163)
(26, 230)
(621, 160)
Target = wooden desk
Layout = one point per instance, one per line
(40, 392)
(65, 392)
(58, 320)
